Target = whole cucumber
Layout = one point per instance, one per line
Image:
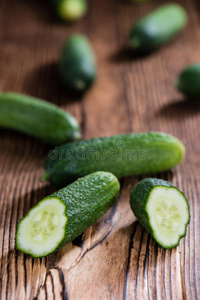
(122, 155)
(189, 81)
(157, 28)
(70, 10)
(38, 118)
(60, 218)
(77, 64)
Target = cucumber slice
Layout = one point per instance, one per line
(61, 217)
(43, 228)
(162, 209)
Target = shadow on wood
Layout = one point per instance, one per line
(44, 83)
(125, 54)
(178, 109)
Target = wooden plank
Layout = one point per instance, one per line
(116, 258)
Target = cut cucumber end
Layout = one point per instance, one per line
(42, 230)
(168, 213)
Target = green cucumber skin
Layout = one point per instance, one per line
(149, 153)
(86, 200)
(138, 200)
(64, 11)
(158, 28)
(189, 81)
(38, 118)
(77, 64)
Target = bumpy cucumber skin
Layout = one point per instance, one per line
(86, 200)
(139, 198)
(77, 64)
(158, 28)
(38, 118)
(149, 153)
(70, 10)
(189, 81)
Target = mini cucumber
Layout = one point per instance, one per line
(60, 218)
(189, 81)
(70, 10)
(123, 155)
(161, 209)
(77, 64)
(38, 118)
(157, 28)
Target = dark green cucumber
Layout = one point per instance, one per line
(70, 10)
(158, 28)
(77, 64)
(60, 218)
(122, 155)
(38, 118)
(189, 81)
(161, 209)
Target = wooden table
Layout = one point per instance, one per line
(116, 258)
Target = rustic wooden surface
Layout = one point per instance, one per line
(116, 258)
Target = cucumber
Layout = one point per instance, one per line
(189, 81)
(70, 10)
(158, 28)
(123, 155)
(60, 218)
(38, 118)
(161, 209)
(77, 67)
(141, 1)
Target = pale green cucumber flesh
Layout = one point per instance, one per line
(162, 210)
(168, 213)
(42, 230)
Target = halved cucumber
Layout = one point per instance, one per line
(61, 217)
(162, 210)
(43, 228)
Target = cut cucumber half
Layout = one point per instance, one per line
(60, 218)
(162, 210)
(43, 228)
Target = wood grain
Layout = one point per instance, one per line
(115, 258)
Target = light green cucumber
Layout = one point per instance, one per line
(123, 155)
(60, 218)
(157, 28)
(77, 67)
(70, 10)
(38, 118)
(188, 81)
(162, 210)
